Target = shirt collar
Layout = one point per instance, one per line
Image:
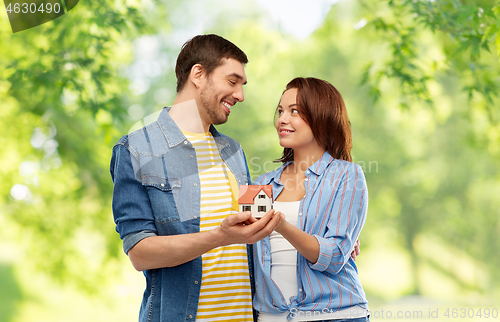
(170, 130)
(219, 139)
(277, 174)
(317, 167)
(174, 135)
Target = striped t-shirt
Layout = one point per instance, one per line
(225, 293)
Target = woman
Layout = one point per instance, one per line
(304, 270)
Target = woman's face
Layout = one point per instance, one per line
(293, 131)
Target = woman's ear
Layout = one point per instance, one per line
(197, 75)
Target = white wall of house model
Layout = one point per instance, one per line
(256, 198)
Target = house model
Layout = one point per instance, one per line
(258, 199)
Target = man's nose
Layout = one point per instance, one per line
(238, 94)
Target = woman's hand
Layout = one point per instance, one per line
(356, 251)
(281, 224)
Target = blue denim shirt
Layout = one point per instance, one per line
(157, 192)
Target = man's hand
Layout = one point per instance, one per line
(356, 250)
(243, 228)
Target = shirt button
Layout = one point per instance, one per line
(300, 214)
(306, 179)
(185, 142)
(191, 155)
(163, 185)
(195, 184)
(190, 316)
(196, 282)
(196, 217)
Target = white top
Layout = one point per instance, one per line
(284, 274)
(283, 254)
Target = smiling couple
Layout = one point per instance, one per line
(176, 183)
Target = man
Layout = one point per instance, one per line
(175, 195)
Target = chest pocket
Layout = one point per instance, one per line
(163, 195)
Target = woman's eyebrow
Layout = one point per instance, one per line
(291, 105)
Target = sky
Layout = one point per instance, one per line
(294, 17)
(297, 17)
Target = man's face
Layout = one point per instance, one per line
(221, 90)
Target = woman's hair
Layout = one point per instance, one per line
(321, 106)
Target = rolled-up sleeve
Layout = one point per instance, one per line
(132, 211)
(132, 239)
(347, 216)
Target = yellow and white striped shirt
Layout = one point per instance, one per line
(225, 293)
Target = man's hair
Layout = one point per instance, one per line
(321, 106)
(207, 50)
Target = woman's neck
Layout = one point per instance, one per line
(304, 158)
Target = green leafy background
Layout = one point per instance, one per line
(420, 80)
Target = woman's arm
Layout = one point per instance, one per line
(346, 217)
(346, 213)
(307, 245)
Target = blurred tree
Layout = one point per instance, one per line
(60, 92)
(468, 30)
(64, 98)
(10, 293)
(445, 53)
(424, 163)
(435, 166)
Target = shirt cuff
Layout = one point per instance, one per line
(326, 249)
(132, 239)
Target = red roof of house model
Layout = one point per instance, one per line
(248, 192)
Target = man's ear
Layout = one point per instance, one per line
(197, 75)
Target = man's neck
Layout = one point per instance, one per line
(187, 117)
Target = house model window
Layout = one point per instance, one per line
(257, 199)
